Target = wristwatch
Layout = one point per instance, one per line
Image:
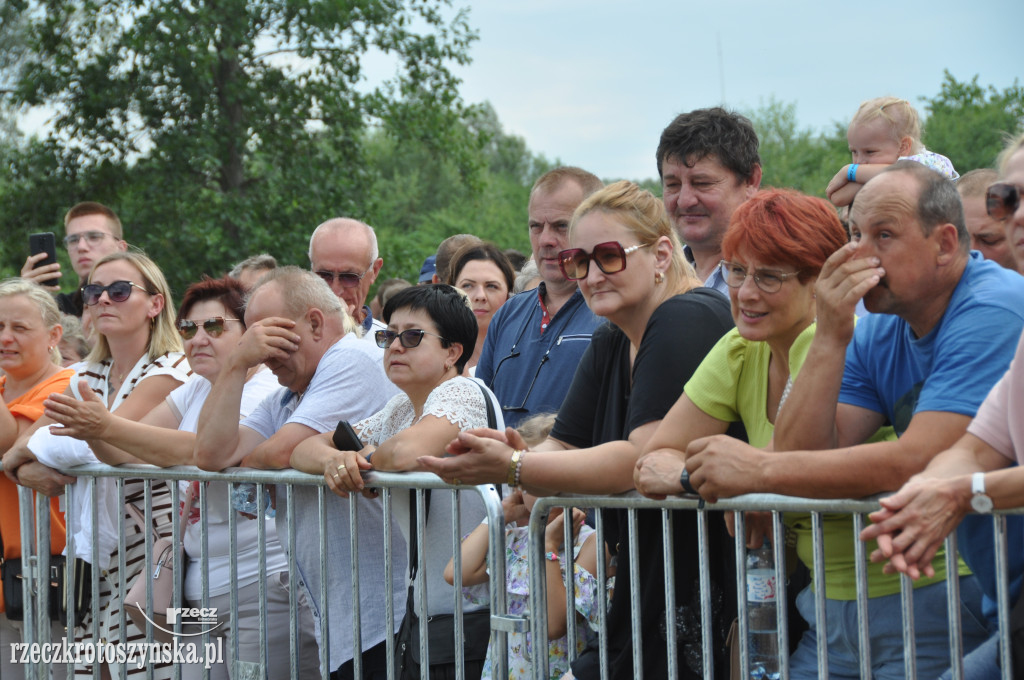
(980, 501)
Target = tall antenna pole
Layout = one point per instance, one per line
(721, 67)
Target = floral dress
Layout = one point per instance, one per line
(589, 596)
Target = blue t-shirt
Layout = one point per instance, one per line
(953, 367)
(529, 371)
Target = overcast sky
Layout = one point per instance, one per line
(594, 82)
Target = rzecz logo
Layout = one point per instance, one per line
(187, 616)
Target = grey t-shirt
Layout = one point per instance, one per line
(349, 384)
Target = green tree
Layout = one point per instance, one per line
(216, 127)
(969, 123)
(796, 157)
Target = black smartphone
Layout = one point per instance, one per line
(44, 242)
(345, 438)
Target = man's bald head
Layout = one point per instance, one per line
(347, 247)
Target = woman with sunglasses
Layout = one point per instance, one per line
(1002, 199)
(430, 335)
(136, 362)
(484, 274)
(211, 323)
(631, 271)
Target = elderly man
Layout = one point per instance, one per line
(298, 328)
(708, 163)
(343, 252)
(536, 339)
(941, 333)
(91, 230)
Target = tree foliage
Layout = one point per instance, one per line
(969, 123)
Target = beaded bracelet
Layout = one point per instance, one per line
(851, 174)
(512, 478)
(519, 468)
(551, 557)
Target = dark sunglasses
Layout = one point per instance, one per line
(118, 291)
(213, 326)
(610, 258)
(346, 279)
(409, 338)
(1002, 200)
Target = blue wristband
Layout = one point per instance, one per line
(851, 174)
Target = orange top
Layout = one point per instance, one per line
(30, 407)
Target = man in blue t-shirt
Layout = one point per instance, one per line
(942, 332)
(537, 338)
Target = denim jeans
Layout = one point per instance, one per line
(885, 626)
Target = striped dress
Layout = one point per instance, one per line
(111, 619)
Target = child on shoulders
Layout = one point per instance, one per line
(883, 131)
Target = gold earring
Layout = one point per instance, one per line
(659, 277)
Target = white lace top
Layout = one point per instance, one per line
(460, 401)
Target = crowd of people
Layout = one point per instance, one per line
(719, 340)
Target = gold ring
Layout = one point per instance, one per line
(337, 476)
(457, 482)
(341, 467)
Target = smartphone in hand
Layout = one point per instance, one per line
(345, 438)
(44, 242)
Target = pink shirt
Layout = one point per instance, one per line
(999, 422)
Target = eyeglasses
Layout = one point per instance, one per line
(346, 279)
(91, 237)
(409, 338)
(610, 258)
(769, 282)
(213, 326)
(1002, 200)
(118, 291)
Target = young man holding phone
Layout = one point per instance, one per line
(92, 230)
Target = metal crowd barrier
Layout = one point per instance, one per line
(633, 502)
(36, 560)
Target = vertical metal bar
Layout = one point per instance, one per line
(233, 570)
(389, 587)
(743, 629)
(293, 580)
(909, 646)
(325, 624)
(204, 564)
(1003, 595)
(357, 618)
(95, 623)
(496, 560)
(956, 653)
(460, 637)
(602, 580)
(70, 522)
(569, 580)
(781, 590)
(29, 584)
(820, 616)
(420, 531)
(704, 557)
(668, 555)
(178, 559)
(538, 586)
(860, 559)
(634, 594)
(261, 558)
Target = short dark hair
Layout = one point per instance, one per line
(728, 136)
(227, 291)
(93, 208)
(447, 308)
(938, 201)
(481, 251)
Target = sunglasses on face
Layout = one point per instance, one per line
(118, 291)
(92, 238)
(213, 326)
(610, 258)
(769, 282)
(409, 338)
(346, 279)
(1002, 200)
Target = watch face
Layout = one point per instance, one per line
(981, 503)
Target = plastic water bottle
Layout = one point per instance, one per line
(243, 499)
(762, 633)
